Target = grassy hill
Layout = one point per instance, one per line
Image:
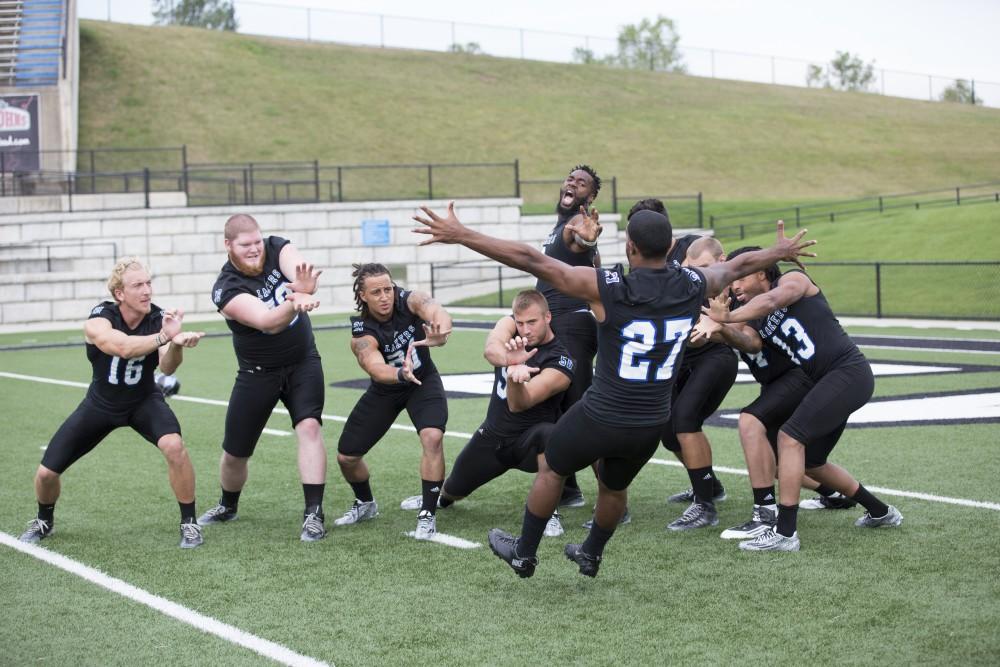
(232, 97)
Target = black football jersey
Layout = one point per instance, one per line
(679, 252)
(117, 385)
(395, 335)
(254, 348)
(556, 248)
(648, 315)
(768, 364)
(506, 424)
(808, 333)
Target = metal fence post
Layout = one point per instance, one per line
(184, 170)
(798, 217)
(430, 181)
(614, 194)
(711, 221)
(878, 289)
(316, 178)
(145, 184)
(743, 234)
(701, 220)
(246, 187)
(340, 184)
(517, 177)
(880, 208)
(500, 287)
(251, 193)
(93, 181)
(958, 196)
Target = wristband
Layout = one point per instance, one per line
(399, 376)
(579, 239)
(158, 343)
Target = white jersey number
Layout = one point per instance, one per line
(133, 371)
(792, 327)
(633, 366)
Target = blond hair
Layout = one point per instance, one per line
(117, 281)
(528, 298)
(705, 244)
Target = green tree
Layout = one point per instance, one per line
(472, 48)
(211, 14)
(587, 57)
(961, 92)
(845, 72)
(650, 45)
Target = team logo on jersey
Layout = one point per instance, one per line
(611, 277)
(566, 362)
(357, 326)
(550, 240)
(217, 295)
(97, 310)
(692, 275)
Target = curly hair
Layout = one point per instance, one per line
(116, 281)
(593, 174)
(772, 273)
(362, 271)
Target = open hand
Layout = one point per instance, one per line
(302, 302)
(187, 338)
(408, 365)
(517, 352)
(446, 229)
(434, 335)
(520, 373)
(791, 249)
(306, 277)
(704, 329)
(586, 225)
(172, 320)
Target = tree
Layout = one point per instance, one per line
(471, 48)
(650, 45)
(844, 72)
(961, 92)
(211, 14)
(587, 57)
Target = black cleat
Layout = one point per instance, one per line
(504, 545)
(687, 496)
(571, 497)
(837, 501)
(588, 564)
(218, 514)
(191, 535)
(37, 531)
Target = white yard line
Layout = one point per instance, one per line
(981, 504)
(232, 634)
(465, 436)
(450, 540)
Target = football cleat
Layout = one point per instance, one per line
(416, 502)
(167, 384)
(218, 514)
(772, 540)
(358, 512)
(837, 501)
(426, 526)
(697, 515)
(891, 518)
(762, 520)
(37, 531)
(504, 545)
(313, 529)
(571, 497)
(687, 496)
(191, 535)
(554, 527)
(624, 521)
(588, 564)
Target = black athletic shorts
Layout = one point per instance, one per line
(577, 441)
(299, 387)
(822, 415)
(378, 408)
(698, 392)
(577, 331)
(89, 425)
(487, 456)
(779, 398)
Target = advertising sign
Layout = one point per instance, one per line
(19, 133)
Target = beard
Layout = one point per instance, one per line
(251, 270)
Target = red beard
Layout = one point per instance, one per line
(250, 270)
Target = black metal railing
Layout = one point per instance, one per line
(762, 220)
(903, 289)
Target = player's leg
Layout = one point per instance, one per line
(78, 435)
(370, 419)
(762, 467)
(304, 393)
(253, 398)
(428, 410)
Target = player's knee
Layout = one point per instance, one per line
(750, 425)
(346, 461)
(172, 447)
(46, 476)
(308, 429)
(432, 440)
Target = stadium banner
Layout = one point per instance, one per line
(19, 149)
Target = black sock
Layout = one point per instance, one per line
(47, 512)
(717, 488)
(596, 539)
(230, 499)
(531, 533)
(313, 494)
(187, 512)
(431, 491)
(825, 490)
(571, 482)
(701, 483)
(787, 516)
(764, 495)
(874, 506)
(445, 501)
(362, 491)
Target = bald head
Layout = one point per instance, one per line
(704, 252)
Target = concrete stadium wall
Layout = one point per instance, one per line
(55, 265)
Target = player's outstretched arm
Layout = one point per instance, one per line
(495, 351)
(790, 288)
(719, 276)
(304, 275)
(437, 325)
(251, 311)
(109, 340)
(578, 281)
(526, 390)
(581, 234)
(365, 349)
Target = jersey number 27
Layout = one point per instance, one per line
(635, 364)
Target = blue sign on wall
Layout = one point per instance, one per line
(375, 232)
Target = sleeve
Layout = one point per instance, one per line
(608, 280)
(224, 290)
(562, 362)
(103, 309)
(359, 328)
(697, 278)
